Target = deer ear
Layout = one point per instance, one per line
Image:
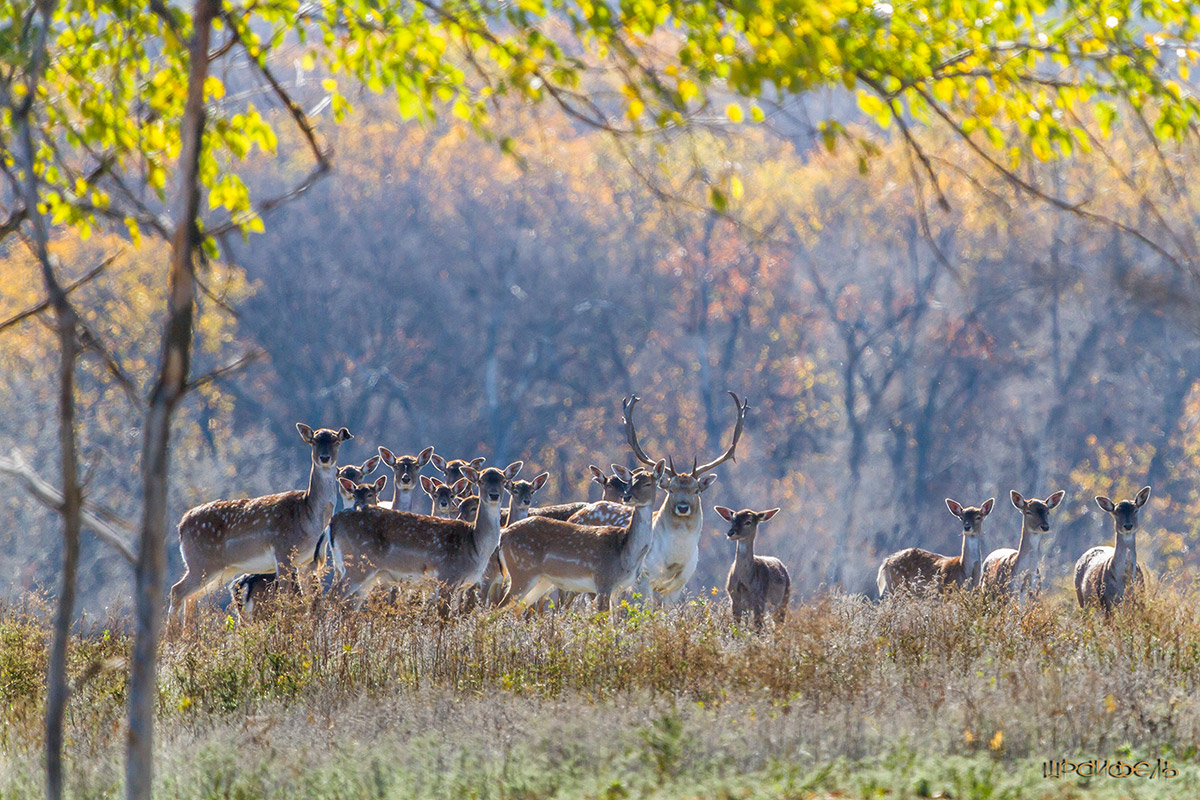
(1017, 500)
(726, 513)
(1142, 497)
(1105, 504)
(540, 481)
(955, 507)
(461, 485)
(707, 480)
(763, 516)
(346, 484)
(345, 435)
(379, 484)
(478, 462)
(369, 465)
(306, 433)
(621, 472)
(438, 461)
(512, 470)
(424, 456)
(470, 473)
(986, 508)
(427, 485)
(388, 456)
(1053, 500)
(597, 474)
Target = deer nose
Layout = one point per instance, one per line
(324, 459)
(493, 495)
(405, 479)
(1045, 528)
(1128, 526)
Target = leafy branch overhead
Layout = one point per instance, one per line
(1015, 80)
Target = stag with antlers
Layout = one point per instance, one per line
(675, 547)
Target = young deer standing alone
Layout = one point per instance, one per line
(1103, 575)
(1019, 571)
(277, 533)
(915, 567)
(754, 582)
(539, 554)
(405, 471)
(379, 543)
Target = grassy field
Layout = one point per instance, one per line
(962, 698)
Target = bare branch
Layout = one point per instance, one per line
(104, 522)
(34, 310)
(253, 357)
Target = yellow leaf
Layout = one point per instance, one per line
(734, 110)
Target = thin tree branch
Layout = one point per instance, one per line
(45, 304)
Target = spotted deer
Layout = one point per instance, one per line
(678, 523)
(755, 583)
(247, 591)
(405, 472)
(278, 532)
(1104, 575)
(452, 470)
(520, 503)
(354, 474)
(917, 568)
(445, 498)
(375, 543)
(539, 553)
(608, 510)
(1019, 571)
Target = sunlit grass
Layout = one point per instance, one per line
(910, 697)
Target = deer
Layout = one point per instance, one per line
(445, 498)
(915, 567)
(754, 582)
(452, 470)
(354, 474)
(399, 545)
(1019, 571)
(678, 523)
(608, 510)
(246, 591)
(279, 532)
(538, 554)
(520, 501)
(1103, 575)
(467, 507)
(405, 471)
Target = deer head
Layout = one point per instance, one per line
(491, 481)
(1125, 513)
(683, 488)
(453, 469)
(613, 485)
(743, 525)
(324, 442)
(362, 494)
(972, 518)
(406, 468)
(444, 496)
(1036, 513)
(523, 491)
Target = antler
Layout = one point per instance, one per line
(630, 433)
(741, 407)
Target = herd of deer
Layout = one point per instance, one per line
(1103, 575)
(515, 556)
(507, 557)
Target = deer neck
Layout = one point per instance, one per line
(1031, 549)
(971, 557)
(516, 511)
(743, 561)
(638, 535)
(402, 499)
(322, 493)
(486, 528)
(1124, 560)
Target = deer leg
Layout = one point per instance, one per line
(183, 592)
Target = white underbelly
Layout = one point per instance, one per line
(262, 562)
(576, 584)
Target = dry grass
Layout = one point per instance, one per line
(966, 696)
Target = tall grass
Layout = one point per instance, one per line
(964, 695)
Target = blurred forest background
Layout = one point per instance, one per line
(434, 290)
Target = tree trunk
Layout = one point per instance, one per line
(168, 389)
(57, 691)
